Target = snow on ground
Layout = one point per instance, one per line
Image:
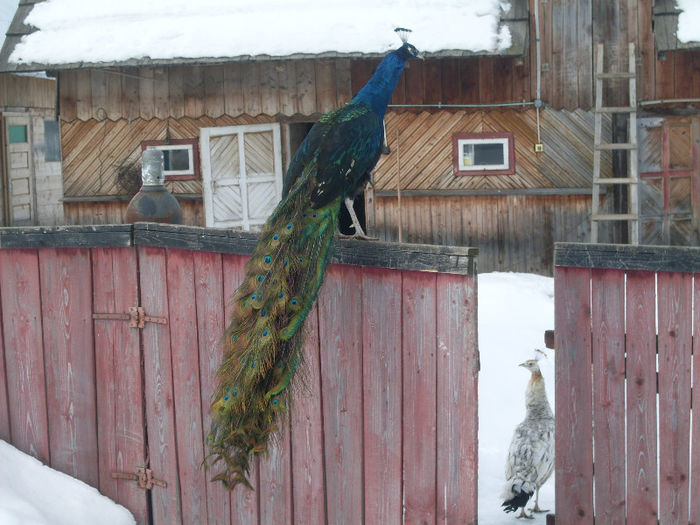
(75, 30)
(514, 311)
(34, 494)
(689, 21)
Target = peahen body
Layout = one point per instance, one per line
(285, 272)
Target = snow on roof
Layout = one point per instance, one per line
(72, 31)
(689, 21)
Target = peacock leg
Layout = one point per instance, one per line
(359, 232)
(536, 508)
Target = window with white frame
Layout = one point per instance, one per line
(483, 154)
(180, 158)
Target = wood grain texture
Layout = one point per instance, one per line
(574, 472)
(340, 332)
(5, 432)
(674, 292)
(160, 401)
(608, 347)
(642, 486)
(382, 341)
(458, 407)
(694, 511)
(275, 484)
(66, 297)
(24, 352)
(419, 327)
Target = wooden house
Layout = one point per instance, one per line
(493, 150)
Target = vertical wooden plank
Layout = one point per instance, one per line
(98, 83)
(695, 452)
(193, 88)
(343, 82)
(306, 87)
(83, 93)
(244, 502)
(641, 399)
(182, 321)
(66, 310)
(269, 88)
(467, 78)
(250, 84)
(674, 291)
(485, 82)
(147, 106)
(209, 286)
(119, 379)
(419, 396)
(325, 86)
(276, 479)
(608, 347)
(382, 393)
(457, 394)
(573, 444)
(67, 89)
(308, 488)
(414, 76)
(113, 104)
(176, 91)
(4, 403)
(161, 93)
(214, 91)
(287, 87)
(340, 335)
(160, 409)
(24, 351)
(234, 104)
(130, 93)
(433, 81)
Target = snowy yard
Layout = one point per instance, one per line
(514, 311)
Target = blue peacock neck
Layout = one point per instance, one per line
(378, 90)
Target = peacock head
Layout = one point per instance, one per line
(531, 365)
(407, 51)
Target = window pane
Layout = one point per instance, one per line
(176, 159)
(17, 134)
(488, 154)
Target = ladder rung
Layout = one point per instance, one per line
(615, 217)
(615, 145)
(620, 74)
(620, 180)
(616, 109)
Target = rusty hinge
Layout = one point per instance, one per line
(143, 477)
(137, 317)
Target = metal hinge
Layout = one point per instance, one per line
(143, 477)
(136, 316)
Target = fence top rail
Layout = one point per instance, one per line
(420, 257)
(626, 257)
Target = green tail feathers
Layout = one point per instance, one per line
(265, 337)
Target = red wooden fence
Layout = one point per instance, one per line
(384, 428)
(624, 321)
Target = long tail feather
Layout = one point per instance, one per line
(265, 337)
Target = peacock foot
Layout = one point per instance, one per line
(537, 509)
(524, 514)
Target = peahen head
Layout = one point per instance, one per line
(378, 90)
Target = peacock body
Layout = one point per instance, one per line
(284, 274)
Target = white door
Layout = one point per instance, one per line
(241, 174)
(20, 183)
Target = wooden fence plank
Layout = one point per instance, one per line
(24, 351)
(608, 347)
(209, 288)
(457, 392)
(574, 472)
(182, 321)
(160, 413)
(695, 452)
(66, 298)
(244, 502)
(119, 379)
(276, 479)
(382, 392)
(419, 401)
(340, 333)
(308, 488)
(5, 434)
(641, 399)
(674, 291)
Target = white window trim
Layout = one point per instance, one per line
(190, 154)
(505, 143)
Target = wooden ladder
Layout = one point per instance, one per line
(632, 179)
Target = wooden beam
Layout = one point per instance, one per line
(626, 257)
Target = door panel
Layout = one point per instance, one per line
(20, 184)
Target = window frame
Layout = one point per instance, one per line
(505, 138)
(171, 144)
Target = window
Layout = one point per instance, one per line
(180, 158)
(17, 134)
(483, 154)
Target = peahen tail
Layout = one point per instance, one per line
(265, 337)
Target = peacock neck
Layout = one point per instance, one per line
(378, 90)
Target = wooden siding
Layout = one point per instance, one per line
(114, 212)
(94, 149)
(425, 150)
(632, 410)
(18, 91)
(357, 424)
(513, 232)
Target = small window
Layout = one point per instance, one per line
(17, 134)
(483, 154)
(180, 158)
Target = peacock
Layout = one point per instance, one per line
(264, 339)
(531, 453)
